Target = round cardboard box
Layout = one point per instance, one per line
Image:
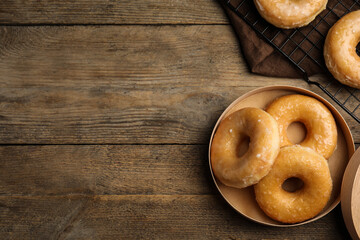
(350, 196)
(243, 200)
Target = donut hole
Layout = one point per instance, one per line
(296, 132)
(358, 49)
(292, 184)
(243, 146)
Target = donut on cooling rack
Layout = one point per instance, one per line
(321, 131)
(340, 50)
(290, 14)
(300, 204)
(237, 170)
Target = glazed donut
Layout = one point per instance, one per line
(290, 14)
(321, 131)
(340, 50)
(292, 207)
(242, 171)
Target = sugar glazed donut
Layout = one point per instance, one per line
(340, 50)
(290, 14)
(305, 203)
(321, 131)
(242, 171)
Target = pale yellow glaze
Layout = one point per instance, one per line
(290, 13)
(242, 171)
(305, 203)
(320, 124)
(340, 50)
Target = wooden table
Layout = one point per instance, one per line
(106, 110)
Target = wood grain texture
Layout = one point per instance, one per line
(150, 78)
(145, 217)
(59, 170)
(110, 192)
(89, 84)
(111, 12)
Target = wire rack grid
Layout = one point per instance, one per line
(304, 46)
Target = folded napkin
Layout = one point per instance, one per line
(263, 59)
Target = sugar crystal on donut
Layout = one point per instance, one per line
(340, 50)
(290, 14)
(242, 170)
(321, 134)
(304, 203)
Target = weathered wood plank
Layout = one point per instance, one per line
(168, 84)
(111, 12)
(56, 170)
(37, 217)
(145, 217)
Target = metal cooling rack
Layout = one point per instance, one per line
(300, 47)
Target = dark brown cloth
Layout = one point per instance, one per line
(263, 59)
